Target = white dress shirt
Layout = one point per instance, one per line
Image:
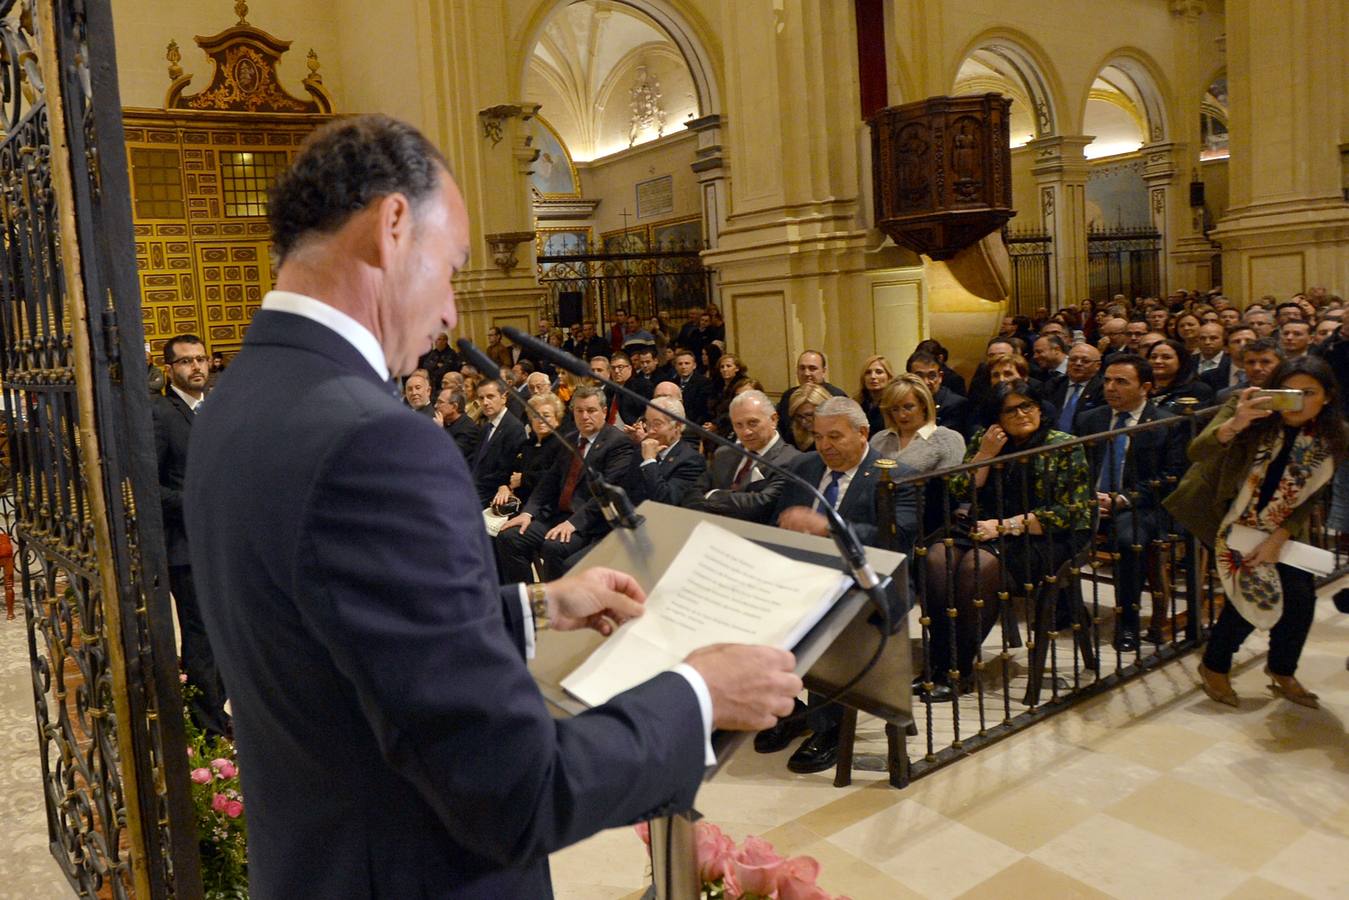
(843, 484)
(187, 398)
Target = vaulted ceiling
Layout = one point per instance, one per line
(584, 69)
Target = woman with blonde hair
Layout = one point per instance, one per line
(801, 410)
(876, 374)
(912, 435)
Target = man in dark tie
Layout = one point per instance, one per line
(1132, 477)
(842, 466)
(174, 414)
(502, 437)
(1081, 390)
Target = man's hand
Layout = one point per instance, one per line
(598, 598)
(651, 448)
(561, 533)
(1105, 501)
(751, 687)
(439, 417)
(521, 521)
(804, 519)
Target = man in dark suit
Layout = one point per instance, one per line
(439, 360)
(348, 640)
(450, 415)
(811, 368)
(174, 412)
(502, 436)
(734, 486)
(1228, 373)
(953, 410)
(670, 466)
(842, 466)
(1081, 390)
(561, 518)
(695, 388)
(1131, 475)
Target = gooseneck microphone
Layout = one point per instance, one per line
(614, 501)
(849, 546)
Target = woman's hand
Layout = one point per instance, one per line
(517, 478)
(503, 495)
(1249, 409)
(1267, 553)
(986, 530)
(993, 441)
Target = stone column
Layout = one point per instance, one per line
(1189, 251)
(1169, 207)
(710, 166)
(1287, 226)
(1060, 172)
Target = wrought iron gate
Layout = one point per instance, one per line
(1031, 254)
(588, 282)
(86, 508)
(1124, 261)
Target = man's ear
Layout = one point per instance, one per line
(393, 226)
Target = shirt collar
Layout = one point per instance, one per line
(333, 319)
(927, 430)
(187, 398)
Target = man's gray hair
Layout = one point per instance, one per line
(752, 396)
(843, 406)
(669, 404)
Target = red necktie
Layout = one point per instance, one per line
(742, 475)
(573, 476)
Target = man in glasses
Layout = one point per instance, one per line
(189, 367)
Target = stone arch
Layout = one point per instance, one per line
(1151, 91)
(1020, 60)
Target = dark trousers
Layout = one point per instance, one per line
(1286, 639)
(822, 716)
(207, 706)
(516, 550)
(1129, 529)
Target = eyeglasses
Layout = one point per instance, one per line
(1025, 408)
(191, 361)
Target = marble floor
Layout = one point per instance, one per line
(1151, 791)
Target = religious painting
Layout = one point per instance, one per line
(680, 235)
(554, 176)
(631, 240)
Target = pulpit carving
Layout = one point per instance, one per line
(942, 172)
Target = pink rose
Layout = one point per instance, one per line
(234, 809)
(796, 881)
(756, 866)
(182, 678)
(219, 761)
(715, 850)
(219, 802)
(228, 770)
(191, 752)
(643, 830)
(201, 776)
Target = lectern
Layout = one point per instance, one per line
(646, 552)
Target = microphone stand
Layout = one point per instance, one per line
(845, 539)
(614, 501)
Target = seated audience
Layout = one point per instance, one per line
(953, 410)
(876, 374)
(843, 467)
(562, 518)
(1259, 359)
(801, 410)
(694, 387)
(911, 435)
(1211, 353)
(733, 373)
(1131, 478)
(451, 416)
(1081, 390)
(539, 455)
(417, 393)
(1173, 377)
(502, 436)
(1296, 337)
(1227, 373)
(1027, 518)
(949, 377)
(670, 466)
(738, 487)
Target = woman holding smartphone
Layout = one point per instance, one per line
(1258, 469)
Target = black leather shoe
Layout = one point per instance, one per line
(818, 753)
(771, 740)
(1126, 640)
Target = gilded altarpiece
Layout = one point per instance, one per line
(200, 169)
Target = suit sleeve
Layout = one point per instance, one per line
(677, 480)
(423, 633)
(617, 467)
(170, 499)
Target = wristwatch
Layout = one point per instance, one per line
(538, 604)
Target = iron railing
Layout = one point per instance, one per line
(585, 281)
(1046, 642)
(1124, 261)
(1032, 255)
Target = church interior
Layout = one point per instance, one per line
(663, 157)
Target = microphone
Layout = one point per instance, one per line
(849, 546)
(614, 501)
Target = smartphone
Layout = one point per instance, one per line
(1279, 399)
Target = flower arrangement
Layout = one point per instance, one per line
(218, 802)
(750, 871)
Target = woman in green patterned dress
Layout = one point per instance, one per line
(1025, 518)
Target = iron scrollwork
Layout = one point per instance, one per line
(90, 558)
